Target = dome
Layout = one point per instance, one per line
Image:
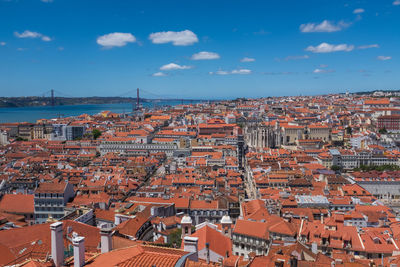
(186, 220)
(226, 220)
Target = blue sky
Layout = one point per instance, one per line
(198, 49)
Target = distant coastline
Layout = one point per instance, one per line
(34, 101)
(33, 113)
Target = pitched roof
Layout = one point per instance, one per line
(37, 239)
(218, 242)
(251, 228)
(17, 203)
(139, 255)
(53, 187)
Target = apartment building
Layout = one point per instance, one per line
(250, 236)
(50, 200)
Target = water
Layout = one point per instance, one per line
(32, 114)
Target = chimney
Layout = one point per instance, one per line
(208, 253)
(322, 218)
(120, 218)
(57, 243)
(293, 261)
(106, 240)
(79, 251)
(314, 248)
(190, 245)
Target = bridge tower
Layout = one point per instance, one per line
(137, 98)
(135, 106)
(52, 98)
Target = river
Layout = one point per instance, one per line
(32, 114)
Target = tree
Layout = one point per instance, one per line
(336, 168)
(349, 130)
(96, 133)
(175, 238)
(383, 130)
(381, 168)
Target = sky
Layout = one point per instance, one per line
(208, 49)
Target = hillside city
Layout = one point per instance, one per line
(280, 181)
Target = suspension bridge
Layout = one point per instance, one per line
(134, 96)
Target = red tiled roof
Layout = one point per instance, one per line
(218, 242)
(251, 228)
(139, 255)
(53, 187)
(17, 203)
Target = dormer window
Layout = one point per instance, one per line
(377, 240)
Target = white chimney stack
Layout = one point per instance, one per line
(106, 240)
(190, 244)
(57, 243)
(79, 251)
(314, 248)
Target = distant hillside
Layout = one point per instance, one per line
(371, 92)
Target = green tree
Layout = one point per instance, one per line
(175, 239)
(383, 130)
(336, 168)
(96, 133)
(381, 168)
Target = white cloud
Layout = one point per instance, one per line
(159, 74)
(3, 43)
(281, 73)
(173, 66)
(297, 57)
(116, 39)
(222, 72)
(238, 71)
(328, 48)
(247, 59)
(368, 46)
(324, 26)
(204, 55)
(27, 34)
(396, 3)
(183, 38)
(33, 35)
(384, 57)
(241, 71)
(46, 38)
(358, 11)
(322, 71)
